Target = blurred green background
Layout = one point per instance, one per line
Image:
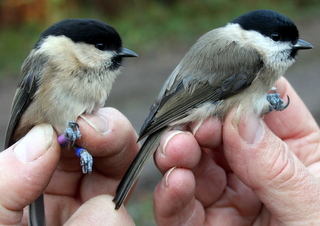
(160, 32)
(143, 24)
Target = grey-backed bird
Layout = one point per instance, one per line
(234, 65)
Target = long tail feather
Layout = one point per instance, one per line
(146, 151)
(36, 212)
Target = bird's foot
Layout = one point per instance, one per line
(72, 133)
(86, 160)
(276, 103)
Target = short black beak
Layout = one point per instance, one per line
(126, 53)
(302, 45)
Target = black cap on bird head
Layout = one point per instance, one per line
(88, 31)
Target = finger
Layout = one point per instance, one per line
(113, 144)
(177, 148)
(265, 164)
(181, 149)
(211, 180)
(174, 200)
(208, 133)
(209, 136)
(238, 204)
(100, 211)
(111, 140)
(295, 125)
(26, 168)
(109, 137)
(295, 120)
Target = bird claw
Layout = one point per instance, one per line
(86, 160)
(276, 103)
(72, 133)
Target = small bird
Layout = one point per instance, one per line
(69, 72)
(234, 65)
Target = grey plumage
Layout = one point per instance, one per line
(235, 65)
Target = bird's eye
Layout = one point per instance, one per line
(275, 37)
(101, 46)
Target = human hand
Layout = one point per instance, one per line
(35, 164)
(252, 172)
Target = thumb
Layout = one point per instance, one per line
(25, 170)
(100, 211)
(265, 163)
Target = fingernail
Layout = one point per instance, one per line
(97, 121)
(197, 126)
(250, 128)
(166, 179)
(34, 143)
(168, 138)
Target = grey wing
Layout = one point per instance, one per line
(177, 105)
(30, 72)
(177, 98)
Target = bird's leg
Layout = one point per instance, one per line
(86, 160)
(276, 103)
(71, 134)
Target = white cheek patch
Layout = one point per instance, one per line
(63, 50)
(275, 53)
(265, 44)
(92, 57)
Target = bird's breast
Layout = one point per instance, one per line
(61, 101)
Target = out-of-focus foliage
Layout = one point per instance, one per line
(15, 12)
(18, 12)
(143, 24)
